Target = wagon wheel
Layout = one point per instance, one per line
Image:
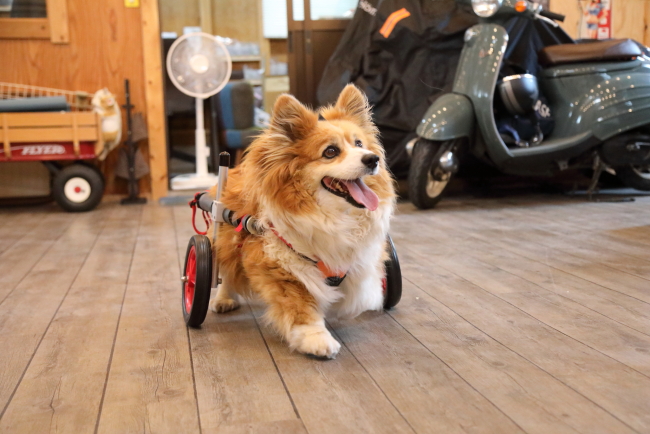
(393, 280)
(78, 188)
(196, 280)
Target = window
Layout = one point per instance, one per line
(34, 19)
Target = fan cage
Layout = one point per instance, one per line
(180, 86)
(77, 100)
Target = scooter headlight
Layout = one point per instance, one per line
(486, 8)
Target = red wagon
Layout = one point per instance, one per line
(64, 142)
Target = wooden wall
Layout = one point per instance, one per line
(238, 19)
(174, 15)
(105, 48)
(629, 18)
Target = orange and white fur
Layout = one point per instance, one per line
(105, 104)
(323, 187)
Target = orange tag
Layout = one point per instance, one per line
(392, 21)
(327, 271)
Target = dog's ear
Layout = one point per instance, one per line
(292, 119)
(353, 104)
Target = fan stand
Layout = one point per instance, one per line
(202, 178)
(199, 60)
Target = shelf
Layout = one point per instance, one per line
(252, 82)
(246, 58)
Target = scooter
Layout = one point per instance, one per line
(599, 92)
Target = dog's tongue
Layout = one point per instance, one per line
(362, 194)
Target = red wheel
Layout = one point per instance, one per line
(392, 283)
(190, 279)
(197, 279)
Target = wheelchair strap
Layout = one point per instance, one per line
(332, 277)
(248, 225)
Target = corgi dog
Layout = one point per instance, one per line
(318, 185)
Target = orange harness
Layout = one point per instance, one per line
(332, 277)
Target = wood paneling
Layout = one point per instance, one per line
(629, 17)
(175, 15)
(519, 314)
(205, 15)
(79, 340)
(21, 180)
(41, 290)
(237, 19)
(57, 127)
(151, 370)
(40, 120)
(571, 9)
(155, 101)
(24, 28)
(279, 49)
(57, 14)
(27, 135)
(105, 48)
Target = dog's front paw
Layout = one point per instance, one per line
(315, 340)
(223, 305)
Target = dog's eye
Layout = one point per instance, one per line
(331, 152)
(358, 143)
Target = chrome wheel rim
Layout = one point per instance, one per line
(436, 182)
(643, 172)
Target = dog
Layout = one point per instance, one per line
(318, 185)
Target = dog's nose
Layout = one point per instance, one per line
(370, 160)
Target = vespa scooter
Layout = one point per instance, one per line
(598, 91)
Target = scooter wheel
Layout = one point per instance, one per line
(197, 280)
(393, 280)
(635, 177)
(426, 180)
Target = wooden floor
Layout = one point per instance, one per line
(524, 314)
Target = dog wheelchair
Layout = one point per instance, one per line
(201, 270)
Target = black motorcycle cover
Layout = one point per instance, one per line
(403, 62)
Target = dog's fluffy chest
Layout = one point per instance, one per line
(339, 240)
(353, 244)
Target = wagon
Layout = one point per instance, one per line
(65, 142)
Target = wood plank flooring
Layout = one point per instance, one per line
(524, 314)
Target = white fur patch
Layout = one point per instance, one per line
(347, 239)
(314, 339)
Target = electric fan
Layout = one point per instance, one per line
(199, 65)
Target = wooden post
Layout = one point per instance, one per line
(75, 134)
(205, 13)
(154, 95)
(57, 15)
(99, 145)
(5, 135)
(24, 28)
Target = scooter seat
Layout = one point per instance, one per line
(605, 51)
